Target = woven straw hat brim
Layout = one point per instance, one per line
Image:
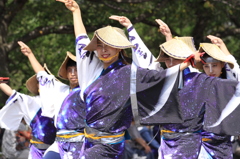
(62, 72)
(46, 69)
(161, 57)
(215, 52)
(178, 48)
(31, 84)
(111, 36)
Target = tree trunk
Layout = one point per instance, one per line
(4, 72)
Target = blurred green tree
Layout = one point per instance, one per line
(46, 27)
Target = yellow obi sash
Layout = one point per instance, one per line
(94, 135)
(39, 144)
(70, 136)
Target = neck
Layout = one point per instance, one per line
(73, 86)
(105, 66)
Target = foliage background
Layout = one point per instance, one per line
(46, 27)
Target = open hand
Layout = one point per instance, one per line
(24, 48)
(122, 20)
(70, 4)
(215, 40)
(163, 28)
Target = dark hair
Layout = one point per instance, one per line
(70, 63)
(126, 60)
(224, 73)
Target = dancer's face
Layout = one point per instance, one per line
(107, 54)
(72, 75)
(170, 62)
(213, 69)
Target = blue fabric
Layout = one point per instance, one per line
(52, 155)
(147, 136)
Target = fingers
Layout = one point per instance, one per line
(22, 45)
(63, 1)
(114, 17)
(215, 40)
(211, 37)
(66, 2)
(197, 57)
(160, 22)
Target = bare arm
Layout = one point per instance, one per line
(184, 65)
(37, 67)
(72, 5)
(219, 42)
(6, 89)
(164, 29)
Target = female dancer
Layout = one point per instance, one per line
(20, 106)
(171, 58)
(172, 52)
(218, 62)
(106, 86)
(105, 83)
(69, 114)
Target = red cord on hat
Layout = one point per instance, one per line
(4, 79)
(201, 55)
(190, 59)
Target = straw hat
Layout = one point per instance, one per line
(177, 48)
(215, 52)
(62, 72)
(32, 82)
(110, 36)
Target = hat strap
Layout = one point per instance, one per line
(109, 58)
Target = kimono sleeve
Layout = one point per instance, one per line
(141, 55)
(17, 107)
(52, 93)
(222, 107)
(156, 96)
(89, 67)
(233, 73)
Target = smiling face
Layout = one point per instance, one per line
(213, 69)
(107, 54)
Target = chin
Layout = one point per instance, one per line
(74, 82)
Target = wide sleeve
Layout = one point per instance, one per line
(52, 93)
(233, 73)
(18, 106)
(141, 55)
(154, 93)
(222, 107)
(89, 67)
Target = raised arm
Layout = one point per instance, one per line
(219, 42)
(6, 89)
(124, 21)
(141, 55)
(88, 67)
(164, 29)
(72, 5)
(37, 67)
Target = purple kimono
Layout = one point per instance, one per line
(43, 131)
(158, 98)
(70, 122)
(187, 139)
(20, 106)
(108, 111)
